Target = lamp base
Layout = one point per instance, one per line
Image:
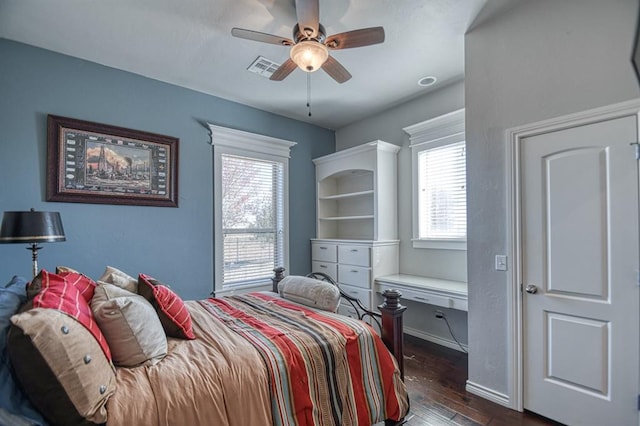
(34, 257)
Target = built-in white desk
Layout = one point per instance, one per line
(434, 291)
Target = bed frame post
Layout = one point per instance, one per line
(392, 334)
(279, 275)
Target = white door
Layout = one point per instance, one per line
(579, 218)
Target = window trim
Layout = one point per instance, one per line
(251, 145)
(443, 130)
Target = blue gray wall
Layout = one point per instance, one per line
(173, 244)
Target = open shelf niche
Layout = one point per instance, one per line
(356, 191)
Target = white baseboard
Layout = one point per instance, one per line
(433, 338)
(486, 393)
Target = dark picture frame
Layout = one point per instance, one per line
(97, 163)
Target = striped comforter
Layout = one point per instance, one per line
(324, 369)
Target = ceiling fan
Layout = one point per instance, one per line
(310, 45)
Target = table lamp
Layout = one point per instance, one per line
(31, 227)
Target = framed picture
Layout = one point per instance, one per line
(97, 163)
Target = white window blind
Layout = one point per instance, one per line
(252, 218)
(442, 200)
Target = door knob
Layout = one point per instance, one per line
(531, 289)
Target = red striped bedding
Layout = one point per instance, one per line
(258, 359)
(324, 369)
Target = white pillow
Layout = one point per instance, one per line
(115, 276)
(310, 292)
(130, 324)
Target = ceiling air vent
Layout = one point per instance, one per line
(263, 66)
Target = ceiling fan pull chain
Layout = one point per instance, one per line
(309, 93)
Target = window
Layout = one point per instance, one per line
(250, 205)
(439, 182)
(252, 226)
(442, 201)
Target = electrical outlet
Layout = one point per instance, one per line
(439, 314)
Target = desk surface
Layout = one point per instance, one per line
(446, 286)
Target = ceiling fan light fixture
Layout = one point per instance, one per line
(309, 55)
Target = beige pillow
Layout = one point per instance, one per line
(130, 325)
(311, 292)
(61, 366)
(115, 276)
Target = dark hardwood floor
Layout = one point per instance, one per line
(436, 376)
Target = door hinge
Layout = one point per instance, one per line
(636, 146)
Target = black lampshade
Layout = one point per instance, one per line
(31, 227)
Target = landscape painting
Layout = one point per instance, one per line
(95, 163)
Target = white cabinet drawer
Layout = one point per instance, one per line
(328, 268)
(363, 295)
(324, 252)
(460, 304)
(354, 275)
(354, 255)
(432, 299)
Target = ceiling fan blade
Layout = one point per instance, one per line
(284, 70)
(263, 37)
(336, 70)
(356, 38)
(308, 13)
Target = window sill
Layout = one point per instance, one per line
(440, 244)
(244, 288)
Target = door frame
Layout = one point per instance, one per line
(514, 137)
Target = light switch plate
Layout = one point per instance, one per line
(501, 262)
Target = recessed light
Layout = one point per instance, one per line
(427, 81)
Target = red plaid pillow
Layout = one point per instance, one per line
(85, 285)
(55, 292)
(173, 313)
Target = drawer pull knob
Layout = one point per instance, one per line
(354, 250)
(421, 298)
(323, 266)
(354, 271)
(323, 248)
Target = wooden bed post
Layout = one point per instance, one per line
(392, 334)
(277, 278)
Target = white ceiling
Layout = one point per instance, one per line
(188, 43)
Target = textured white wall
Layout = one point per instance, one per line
(387, 126)
(538, 60)
(446, 264)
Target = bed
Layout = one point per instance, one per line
(253, 359)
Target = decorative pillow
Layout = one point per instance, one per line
(6, 418)
(85, 285)
(173, 313)
(34, 287)
(310, 292)
(115, 276)
(60, 269)
(17, 406)
(60, 366)
(55, 292)
(130, 325)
